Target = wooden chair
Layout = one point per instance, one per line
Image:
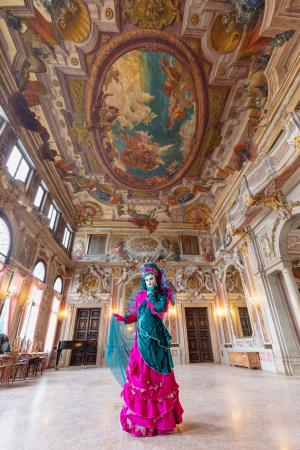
(6, 374)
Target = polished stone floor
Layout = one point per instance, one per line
(225, 408)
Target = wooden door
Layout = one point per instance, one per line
(198, 335)
(86, 329)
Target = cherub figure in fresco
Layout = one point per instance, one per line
(178, 86)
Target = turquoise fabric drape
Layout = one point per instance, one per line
(119, 345)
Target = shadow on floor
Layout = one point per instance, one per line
(188, 427)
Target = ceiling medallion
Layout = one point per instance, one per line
(152, 13)
(146, 109)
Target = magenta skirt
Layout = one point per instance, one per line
(151, 399)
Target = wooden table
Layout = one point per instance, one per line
(245, 359)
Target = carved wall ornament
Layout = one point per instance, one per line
(93, 280)
(233, 281)
(242, 232)
(194, 280)
(274, 200)
(234, 258)
(152, 13)
(267, 247)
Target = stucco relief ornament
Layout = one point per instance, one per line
(152, 13)
(274, 200)
(193, 280)
(93, 281)
(266, 246)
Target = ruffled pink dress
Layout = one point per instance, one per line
(151, 399)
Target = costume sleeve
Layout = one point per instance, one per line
(130, 318)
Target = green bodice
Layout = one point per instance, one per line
(154, 340)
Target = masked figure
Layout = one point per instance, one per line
(150, 393)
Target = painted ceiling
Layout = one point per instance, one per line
(150, 106)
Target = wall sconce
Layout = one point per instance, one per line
(221, 312)
(172, 310)
(63, 314)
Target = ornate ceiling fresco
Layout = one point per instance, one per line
(147, 109)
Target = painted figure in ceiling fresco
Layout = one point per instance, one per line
(150, 392)
(147, 116)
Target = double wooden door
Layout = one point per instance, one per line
(198, 335)
(86, 329)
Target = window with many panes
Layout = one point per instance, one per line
(53, 214)
(5, 240)
(40, 196)
(97, 244)
(18, 164)
(190, 245)
(67, 236)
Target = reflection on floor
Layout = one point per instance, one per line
(225, 408)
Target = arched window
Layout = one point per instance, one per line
(58, 285)
(39, 271)
(5, 239)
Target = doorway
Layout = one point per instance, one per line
(86, 329)
(198, 335)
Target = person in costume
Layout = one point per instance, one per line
(150, 392)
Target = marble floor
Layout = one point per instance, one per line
(225, 408)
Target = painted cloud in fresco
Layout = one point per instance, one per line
(147, 116)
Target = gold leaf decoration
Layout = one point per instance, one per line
(73, 21)
(152, 13)
(77, 89)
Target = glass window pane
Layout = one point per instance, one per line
(97, 244)
(39, 271)
(50, 211)
(53, 218)
(39, 197)
(52, 326)
(58, 285)
(13, 161)
(5, 240)
(22, 171)
(66, 238)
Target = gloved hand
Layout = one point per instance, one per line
(119, 318)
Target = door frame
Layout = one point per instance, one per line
(68, 334)
(212, 326)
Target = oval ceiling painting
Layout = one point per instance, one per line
(147, 119)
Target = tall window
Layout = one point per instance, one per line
(52, 325)
(190, 245)
(97, 244)
(39, 271)
(5, 240)
(40, 196)
(53, 214)
(67, 237)
(18, 164)
(58, 285)
(31, 313)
